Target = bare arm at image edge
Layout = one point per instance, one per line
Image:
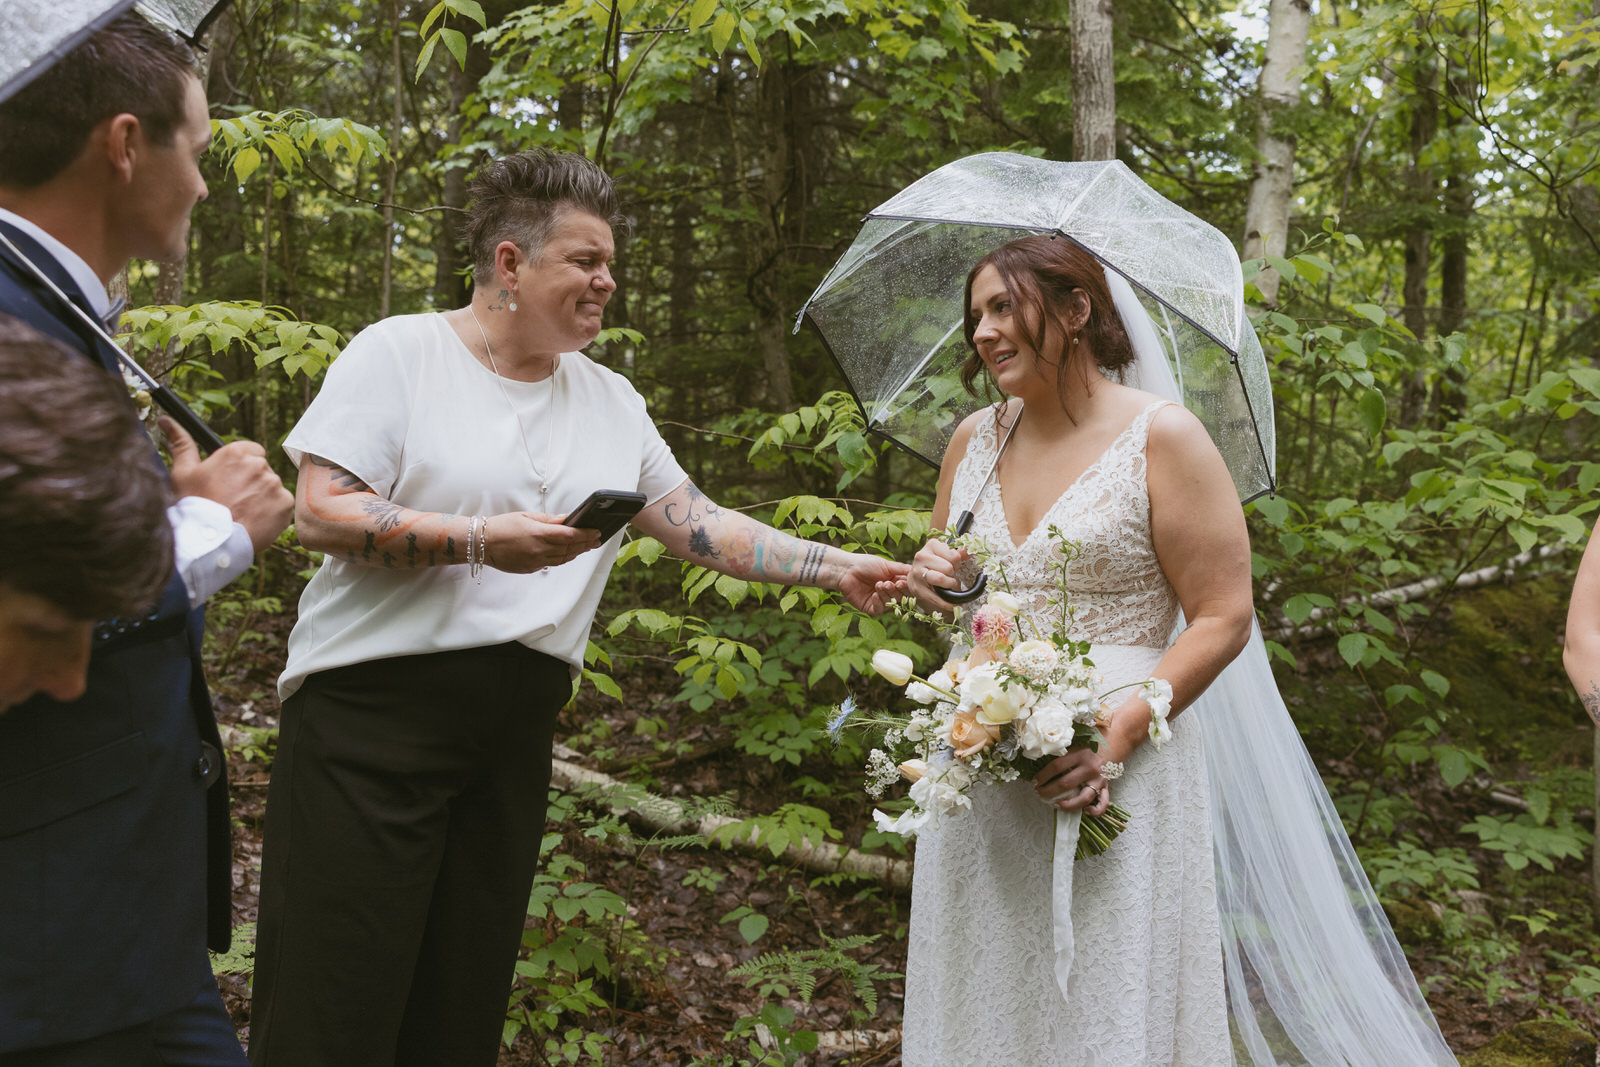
(1581, 656)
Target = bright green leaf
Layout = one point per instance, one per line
(1352, 647)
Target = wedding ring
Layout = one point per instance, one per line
(1096, 799)
(1111, 770)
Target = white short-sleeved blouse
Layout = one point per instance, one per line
(411, 412)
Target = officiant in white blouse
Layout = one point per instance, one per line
(439, 639)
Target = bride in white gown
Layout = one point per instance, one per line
(1233, 896)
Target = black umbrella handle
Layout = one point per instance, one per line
(977, 588)
(181, 413)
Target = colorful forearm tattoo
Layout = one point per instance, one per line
(731, 542)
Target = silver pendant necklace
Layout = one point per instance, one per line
(550, 422)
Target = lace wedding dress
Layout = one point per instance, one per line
(996, 889)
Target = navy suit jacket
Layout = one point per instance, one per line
(115, 866)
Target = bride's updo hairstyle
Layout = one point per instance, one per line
(1040, 274)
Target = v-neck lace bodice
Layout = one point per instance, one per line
(1119, 594)
(1136, 929)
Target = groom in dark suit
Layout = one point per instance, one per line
(115, 869)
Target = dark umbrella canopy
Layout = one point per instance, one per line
(36, 33)
(890, 310)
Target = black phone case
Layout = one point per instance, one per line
(606, 511)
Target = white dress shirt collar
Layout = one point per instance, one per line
(71, 262)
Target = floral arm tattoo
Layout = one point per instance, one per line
(738, 545)
(1591, 702)
(374, 531)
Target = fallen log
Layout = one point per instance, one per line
(1314, 623)
(661, 813)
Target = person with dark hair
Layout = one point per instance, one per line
(1122, 958)
(442, 633)
(1138, 483)
(77, 486)
(114, 837)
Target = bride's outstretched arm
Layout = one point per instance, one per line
(1582, 653)
(1200, 538)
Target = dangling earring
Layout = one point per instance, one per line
(513, 304)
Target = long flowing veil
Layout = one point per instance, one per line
(1314, 973)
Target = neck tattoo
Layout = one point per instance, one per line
(550, 422)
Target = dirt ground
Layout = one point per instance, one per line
(673, 1000)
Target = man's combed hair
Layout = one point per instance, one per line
(84, 498)
(129, 66)
(518, 198)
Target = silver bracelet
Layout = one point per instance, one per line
(483, 550)
(472, 548)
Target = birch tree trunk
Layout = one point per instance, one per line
(1094, 87)
(1266, 219)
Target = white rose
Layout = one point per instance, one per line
(996, 703)
(1048, 732)
(894, 666)
(922, 693)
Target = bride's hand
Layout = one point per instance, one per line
(1074, 780)
(933, 570)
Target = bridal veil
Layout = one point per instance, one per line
(1314, 973)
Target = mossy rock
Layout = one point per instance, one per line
(1537, 1043)
(1415, 922)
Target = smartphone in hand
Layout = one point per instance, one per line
(606, 510)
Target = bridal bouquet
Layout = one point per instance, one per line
(1012, 697)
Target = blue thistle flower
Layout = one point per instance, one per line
(847, 708)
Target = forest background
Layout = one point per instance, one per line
(1416, 189)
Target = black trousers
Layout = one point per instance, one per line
(402, 834)
(199, 1034)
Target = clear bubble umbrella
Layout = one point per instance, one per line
(890, 310)
(36, 33)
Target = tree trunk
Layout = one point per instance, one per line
(450, 289)
(1450, 389)
(1419, 235)
(1266, 220)
(785, 102)
(1094, 87)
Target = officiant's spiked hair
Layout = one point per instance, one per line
(129, 66)
(519, 197)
